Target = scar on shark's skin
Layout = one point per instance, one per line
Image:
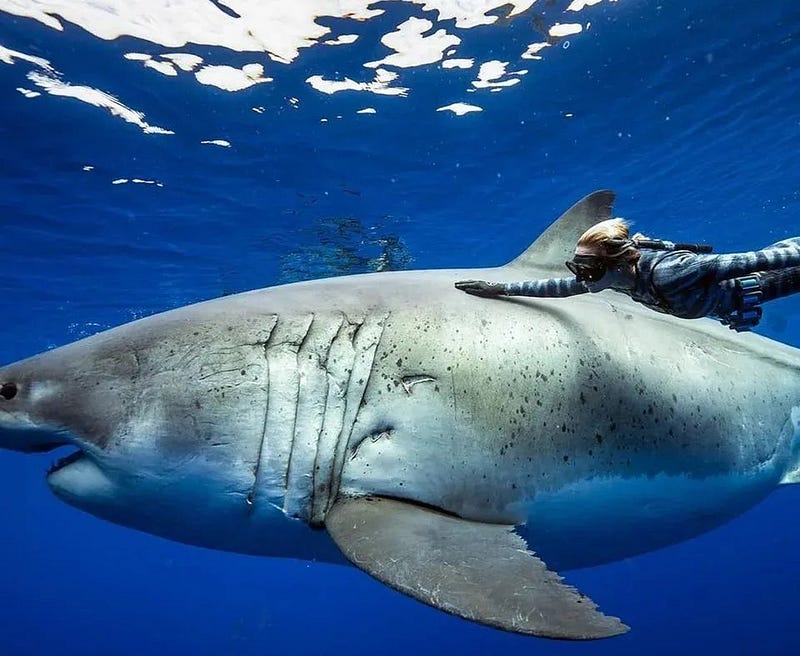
(385, 433)
(382, 435)
(408, 382)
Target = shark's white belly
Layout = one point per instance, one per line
(605, 519)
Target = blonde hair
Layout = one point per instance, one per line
(611, 238)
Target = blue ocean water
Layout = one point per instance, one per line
(689, 109)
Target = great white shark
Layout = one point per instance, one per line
(460, 449)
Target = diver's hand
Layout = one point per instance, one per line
(480, 288)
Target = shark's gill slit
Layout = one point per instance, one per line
(294, 345)
(338, 366)
(311, 412)
(323, 362)
(370, 335)
(251, 496)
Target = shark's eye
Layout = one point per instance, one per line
(8, 391)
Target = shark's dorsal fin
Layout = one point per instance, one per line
(557, 244)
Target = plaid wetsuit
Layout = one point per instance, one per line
(690, 285)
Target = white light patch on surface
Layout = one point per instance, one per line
(184, 60)
(35, 10)
(490, 74)
(459, 109)
(229, 78)
(92, 96)
(343, 40)
(88, 167)
(367, 110)
(165, 68)
(412, 48)
(28, 93)
(8, 56)
(217, 142)
(472, 13)
(380, 85)
(120, 181)
(259, 110)
(534, 49)
(281, 30)
(565, 29)
(579, 5)
(277, 28)
(458, 63)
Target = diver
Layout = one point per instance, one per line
(684, 280)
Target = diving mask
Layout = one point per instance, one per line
(587, 268)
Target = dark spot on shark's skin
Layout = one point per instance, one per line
(8, 391)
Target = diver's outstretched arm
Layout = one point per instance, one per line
(777, 284)
(783, 255)
(546, 288)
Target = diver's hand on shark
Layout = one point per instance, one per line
(480, 288)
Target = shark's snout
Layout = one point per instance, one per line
(20, 427)
(27, 426)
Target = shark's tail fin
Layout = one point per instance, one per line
(556, 244)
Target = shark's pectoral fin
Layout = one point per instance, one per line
(482, 572)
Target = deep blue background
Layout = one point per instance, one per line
(690, 109)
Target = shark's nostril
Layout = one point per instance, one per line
(8, 391)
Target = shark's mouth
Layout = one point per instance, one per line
(31, 441)
(65, 461)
